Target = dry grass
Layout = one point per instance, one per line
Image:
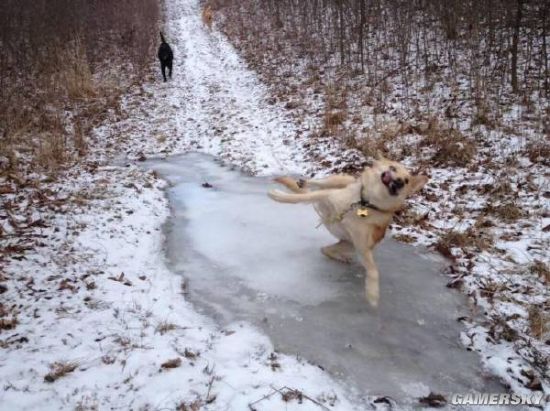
(451, 147)
(370, 144)
(48, 108)
(539, 321)
(165, 327)
(207, 16)
(336, 97)
(80, 143)
(508, 211)
(483, 117)
(539, 152)
(463, 239)
(332, 120)
(8, 323)
(455, 238)
(77, 71)
(541, 269)
(190, 406)
(60, 369)
(404, 238)
(87, 404)
(335, 109)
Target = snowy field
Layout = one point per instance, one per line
(95, 318)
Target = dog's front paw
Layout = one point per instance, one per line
(282, 180)
(276, 195)
(273, 194)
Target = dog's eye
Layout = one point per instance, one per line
(406, 181)
(392, 168)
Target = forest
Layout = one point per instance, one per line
(62, 56)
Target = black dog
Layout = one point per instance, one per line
(165, 56)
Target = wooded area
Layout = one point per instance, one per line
(413, 37)
(57, 55)
(466, 63)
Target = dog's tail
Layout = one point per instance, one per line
(293, 198)
(162, 38)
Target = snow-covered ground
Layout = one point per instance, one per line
(91, 317)
(99, 322)
(98, 295)
(215, 104)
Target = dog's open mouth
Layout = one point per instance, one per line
(394, 185)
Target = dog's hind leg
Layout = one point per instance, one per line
(341, 251)
(163, 69)
(170, 69)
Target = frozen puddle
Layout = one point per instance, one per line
(249, 258)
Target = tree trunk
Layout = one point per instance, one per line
(544, 14)
(341, 24)
(360, 41)
(515, 40)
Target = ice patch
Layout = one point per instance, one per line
(249, 258)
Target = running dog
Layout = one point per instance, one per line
(356, 210)
(166, 57)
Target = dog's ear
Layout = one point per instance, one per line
(379, 156)
(417, 182)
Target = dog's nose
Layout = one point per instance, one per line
(399, 183)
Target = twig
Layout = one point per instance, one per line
(302, 394)
(280, 391)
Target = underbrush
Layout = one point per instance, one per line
(64, 66)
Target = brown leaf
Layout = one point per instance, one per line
(173, 363)
(433, 400)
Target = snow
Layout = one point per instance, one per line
(95, 288)
(219, 106)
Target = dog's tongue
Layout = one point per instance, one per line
(386, 177)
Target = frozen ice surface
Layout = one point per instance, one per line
(249, 258)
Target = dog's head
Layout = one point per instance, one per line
(388, 183)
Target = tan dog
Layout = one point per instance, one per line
(207, 16)
(357, 211)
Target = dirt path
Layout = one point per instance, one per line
(216, 104)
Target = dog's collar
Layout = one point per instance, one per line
(361, 207)
(365, 203)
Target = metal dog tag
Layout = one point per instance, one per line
(362, 212)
